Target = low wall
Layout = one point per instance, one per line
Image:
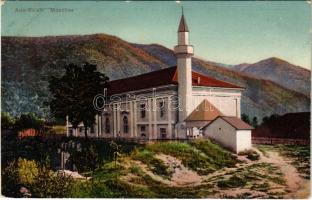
(265, 140)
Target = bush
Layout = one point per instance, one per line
(7, 121)
(27, 171)
(157, 166)
(49, 184)
(10, 180)
(251, 154)
(220, 157)
(232, 182)
(85, 160)
(36, 177)
(28, 120)
(200, 155)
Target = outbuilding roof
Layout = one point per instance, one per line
(167, 76)
(205, 111)
(235, 122)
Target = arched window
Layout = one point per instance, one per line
(125, 124)
(143, 110)
(162, 108)
(107, 125)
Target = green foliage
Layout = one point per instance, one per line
(157, 166)
(7, 121)
(266, 119)
(254, 122)
(232, 182)
(261, 187)
(220, 156)
(28, 120)
(27, 171)
(245, 118)
(74, 92)
(10, 180)
(299, 154)
(49, 184)
(87, 159)
(116, 149)
(37, 177)
(196, 155)
(251, 154)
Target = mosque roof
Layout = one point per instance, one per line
(167, 76)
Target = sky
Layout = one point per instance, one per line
(227, 32)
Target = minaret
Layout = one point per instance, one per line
(184, 53)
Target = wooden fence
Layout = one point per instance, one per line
(266, 140)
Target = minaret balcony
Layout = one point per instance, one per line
(184, 49)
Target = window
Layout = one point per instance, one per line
(143, 110)
(92, 129)
(70, 132)
(125, 124)
(107, 125)
(162, 108)
(163, 133)
(143, 131)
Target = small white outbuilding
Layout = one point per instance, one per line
(230, 132)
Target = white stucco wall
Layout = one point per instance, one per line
(223, 133)
(243, 140)
(228, 101)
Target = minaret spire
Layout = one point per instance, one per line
(183, 26)
(184, 53)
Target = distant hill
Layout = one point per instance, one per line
(290, 125)
(279, 71)
(27, 63)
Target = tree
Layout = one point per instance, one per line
(7, 121)
(73, 94)
(116, 148)
(254, 122)
(87, 159)
(266, 119)
(28, 120)
(245, 118)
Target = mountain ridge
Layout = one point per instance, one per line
(28, 62)
(280, 71)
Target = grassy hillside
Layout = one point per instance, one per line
(27, 63)
(198, 169)
(192, 169)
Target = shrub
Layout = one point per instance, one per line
(85, 160)
(220, 157)
(7, 121)
(156, 165)
(27, 171)
(251, 154)
(232, 182)
(10, 180)
(200, 155)
(36, 177)
(28, 120)
(49, 184)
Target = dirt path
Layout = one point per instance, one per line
(298, 186)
